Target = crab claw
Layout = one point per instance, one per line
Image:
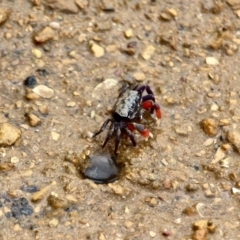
(152, 106)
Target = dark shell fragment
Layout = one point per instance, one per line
(101, 169)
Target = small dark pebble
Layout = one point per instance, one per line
(101, 169)
(8, 215)
(30, 189)
(30, 82)
(196, 167)
(21, 207)
(1, 204)
(110, 9)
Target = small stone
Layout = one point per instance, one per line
(234, 138)
(34, 120)
(54, 25)
(44, 91)
(17, 228)
(30, 81)
(191, 187)
(172, 12)
(139, 76)
(9, 134)
(153, 202)
(55, 136)
(42, 193)
(208, 142)
(219, 155)
(97, 50)
(14, 160)
(57, 202)
(235, 191)
(70, 104)
(43, 109)
(211, 61)
(44, 35)
(4, 14)
(200, 234)
(152, 234)
(128, 224)
(128, 33)
(210, 126)
(37, 53)
(5, 167)
(117, 189)
(32, 96)
(21, 207)
(148, 52)
(53, 223)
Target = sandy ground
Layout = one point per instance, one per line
(183, 183)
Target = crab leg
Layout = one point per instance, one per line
(103, 127)
(140, 128)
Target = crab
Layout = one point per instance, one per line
(127, 112)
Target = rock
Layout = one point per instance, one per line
(139, 76)
(9, 134)
(71, 104)
(4, 14)
(5, 167)
(32, 96)
(42, 193)
(37, 53)
(53, 223)
(211, 61)
(128, 224)
(30, 81)
(55, 136)
(148, 52)
(128, 33)
(21, 207)
(57, 202)
(43, 109)
(200, 234)
(96, 50)
(62, 5)
(204, 224)
(53, 25)
(34, 120)
(219, 155)
(234, 138)
(152, 234)
(210, 126)
(44, 91)
(107, 84)
(44, 35)
(29, 189)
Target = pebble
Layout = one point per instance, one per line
(128, 224)
(55, 136)
(148, 52)
(43, 109)
(96, 49)
(37, 53)
(234, 138)
(44, 91)
(53, 223)
(4, 14)
(106, 84)
(139, 76)
(5, 167)
(210, 126)
(14, 160)
(21, 207)
(30, 81)
(101, 169)
(219, 155)
(29, 189)
(62, 5)
(44, 35)
(211, 61)
(32, 96)
(152, 234)
(153, 202)
(39, 195)
(33, 120)
(70, 104)
(128, 33)
(54, 25)
(57, 202)
(9, 134)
